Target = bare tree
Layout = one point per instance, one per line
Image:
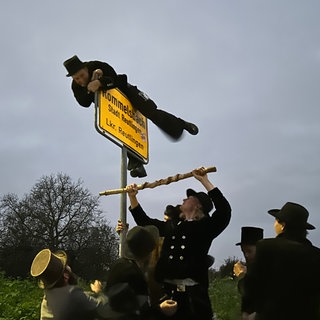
(58, 214)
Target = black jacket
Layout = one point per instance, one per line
(169, 123)
(186, 243)
(109, 80)
(283, 282)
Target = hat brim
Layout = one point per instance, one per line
(275, 214)
(63, 258)
(153, 231)
(206, 204)
(127, 253)
(190, 192)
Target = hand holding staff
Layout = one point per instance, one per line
(168, 180)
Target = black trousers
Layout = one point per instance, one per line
(167, 122)
(193, 304)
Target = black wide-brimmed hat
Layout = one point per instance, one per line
(293, 214)
(204, 200)
(73, 65)
(48, 267)
(140, 241)
(250, 235)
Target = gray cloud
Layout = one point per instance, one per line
(246, 72)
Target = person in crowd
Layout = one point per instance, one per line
(282, 282)
(249, 238)
(63, 299)
(155, 290)
(131, 270)
(182, 268)
(89, 77)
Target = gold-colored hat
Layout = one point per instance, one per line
(48, 267)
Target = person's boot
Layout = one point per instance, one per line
(139, 172)
(133, 163)
(135, 166)
(191, 128)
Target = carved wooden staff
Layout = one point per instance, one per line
(177, 177)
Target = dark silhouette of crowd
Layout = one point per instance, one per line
(163, 273)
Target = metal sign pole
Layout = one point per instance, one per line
(117, 120)
(123, 197)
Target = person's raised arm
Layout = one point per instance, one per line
(138, 214)
(132, 191)
(202, 176)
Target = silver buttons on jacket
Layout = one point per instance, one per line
(177, 247)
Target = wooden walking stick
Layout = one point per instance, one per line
(150, 185)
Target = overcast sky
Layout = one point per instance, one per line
(246, 72)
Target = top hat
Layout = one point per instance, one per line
(293, 214)
(48, 267)
(203, 198)
(250, 235)
(73, 65)
(141, 241)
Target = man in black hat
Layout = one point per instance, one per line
(282, 282)
(88, 77)
(249, 238)
(183, 264)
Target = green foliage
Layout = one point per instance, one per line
(225, 299)
(226, 270)
(20, 299)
